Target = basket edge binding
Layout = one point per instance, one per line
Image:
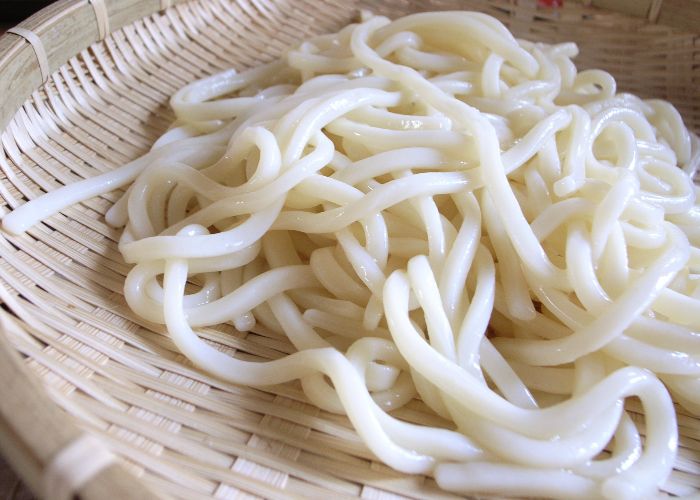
(36, 436)
(63, 29)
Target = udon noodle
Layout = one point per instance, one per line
(431, 208)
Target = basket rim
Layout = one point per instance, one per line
(64, 28)
(25, 406)
(92, 16)
(26, 452)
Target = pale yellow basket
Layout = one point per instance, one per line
(84, 88)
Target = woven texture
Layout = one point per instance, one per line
(182, 432)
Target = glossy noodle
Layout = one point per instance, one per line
(431, 208)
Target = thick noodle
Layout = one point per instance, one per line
(431, 208)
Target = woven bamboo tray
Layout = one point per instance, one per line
(84, 88)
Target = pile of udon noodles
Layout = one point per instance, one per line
(431, 208)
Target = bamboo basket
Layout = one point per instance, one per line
(84, 87)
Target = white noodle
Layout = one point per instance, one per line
(431, 207)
